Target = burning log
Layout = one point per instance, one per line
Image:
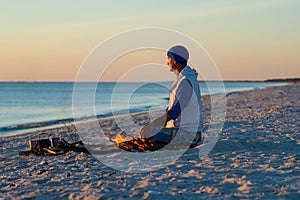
(136, 144)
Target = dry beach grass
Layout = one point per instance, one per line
(257, 156)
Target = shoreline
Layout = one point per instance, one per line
(55, 124)
(256, 156)
(16, 129)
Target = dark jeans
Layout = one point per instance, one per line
(165, 135)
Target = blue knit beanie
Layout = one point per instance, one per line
(179, 53)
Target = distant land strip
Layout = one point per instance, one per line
(284, 80)
(289, 80)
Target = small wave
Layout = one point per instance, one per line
(34, 125)
(20, 128)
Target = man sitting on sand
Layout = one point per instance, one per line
(183, 116)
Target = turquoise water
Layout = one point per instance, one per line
(39, 104)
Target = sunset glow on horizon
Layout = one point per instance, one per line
(248, 40)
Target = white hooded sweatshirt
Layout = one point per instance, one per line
(190, 117)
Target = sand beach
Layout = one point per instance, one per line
(256, 157)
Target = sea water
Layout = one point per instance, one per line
(27, 105)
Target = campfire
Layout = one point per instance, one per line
(119, 138)
(131, 144)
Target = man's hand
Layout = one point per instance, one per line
(146, 131)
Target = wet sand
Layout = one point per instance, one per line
(256, 157)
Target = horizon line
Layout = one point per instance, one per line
(228, 80)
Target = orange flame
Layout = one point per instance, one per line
(128, 143)
(119, 139)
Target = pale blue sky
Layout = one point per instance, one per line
(48, 40)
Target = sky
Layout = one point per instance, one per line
(49, 40)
